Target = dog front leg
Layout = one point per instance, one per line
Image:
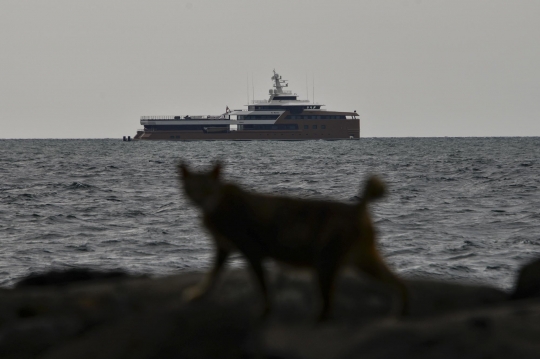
(199, 290)
(257, 267)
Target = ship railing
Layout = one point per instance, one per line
(295, 101)
(157, 117)
(284, 92)
(177, 118)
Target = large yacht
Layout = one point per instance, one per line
(282, 117)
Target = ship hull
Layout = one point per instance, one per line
(333, 130)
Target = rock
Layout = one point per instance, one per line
(496, 332)
(147, 318)
(62, 277)
(528, 283)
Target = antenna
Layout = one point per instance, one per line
(313, 88)
(247, 87)
(307, 89)
(253, 87)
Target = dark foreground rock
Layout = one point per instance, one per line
(63, 277)
(123, 317)
(528, 282)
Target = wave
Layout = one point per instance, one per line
(78, 185)
(456, 208)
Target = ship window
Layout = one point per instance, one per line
(271, 127)
(318, 117)
(172, 136)
(179, 127)
(306, 127)
(323, 127)
(284, 98)
(314, 127)
(261, 117)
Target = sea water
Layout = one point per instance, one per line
(464, 209)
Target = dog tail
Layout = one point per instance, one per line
(373, 189)
(365, 255)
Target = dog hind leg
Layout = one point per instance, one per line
(257, 267)
(326, 275)
(375, 267)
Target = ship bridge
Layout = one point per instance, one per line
(283, 100)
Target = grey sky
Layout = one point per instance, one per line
(84, 69)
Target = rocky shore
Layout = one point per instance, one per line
(117, 316)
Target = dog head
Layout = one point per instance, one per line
(202, 188)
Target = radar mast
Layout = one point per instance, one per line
(279, 83)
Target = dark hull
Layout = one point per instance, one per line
(334, 130)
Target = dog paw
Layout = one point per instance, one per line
(193, 293)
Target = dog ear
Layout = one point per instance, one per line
(183, 170)
(216, 171)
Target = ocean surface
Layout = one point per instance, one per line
(464, 209)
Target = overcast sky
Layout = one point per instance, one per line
(87, 69)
